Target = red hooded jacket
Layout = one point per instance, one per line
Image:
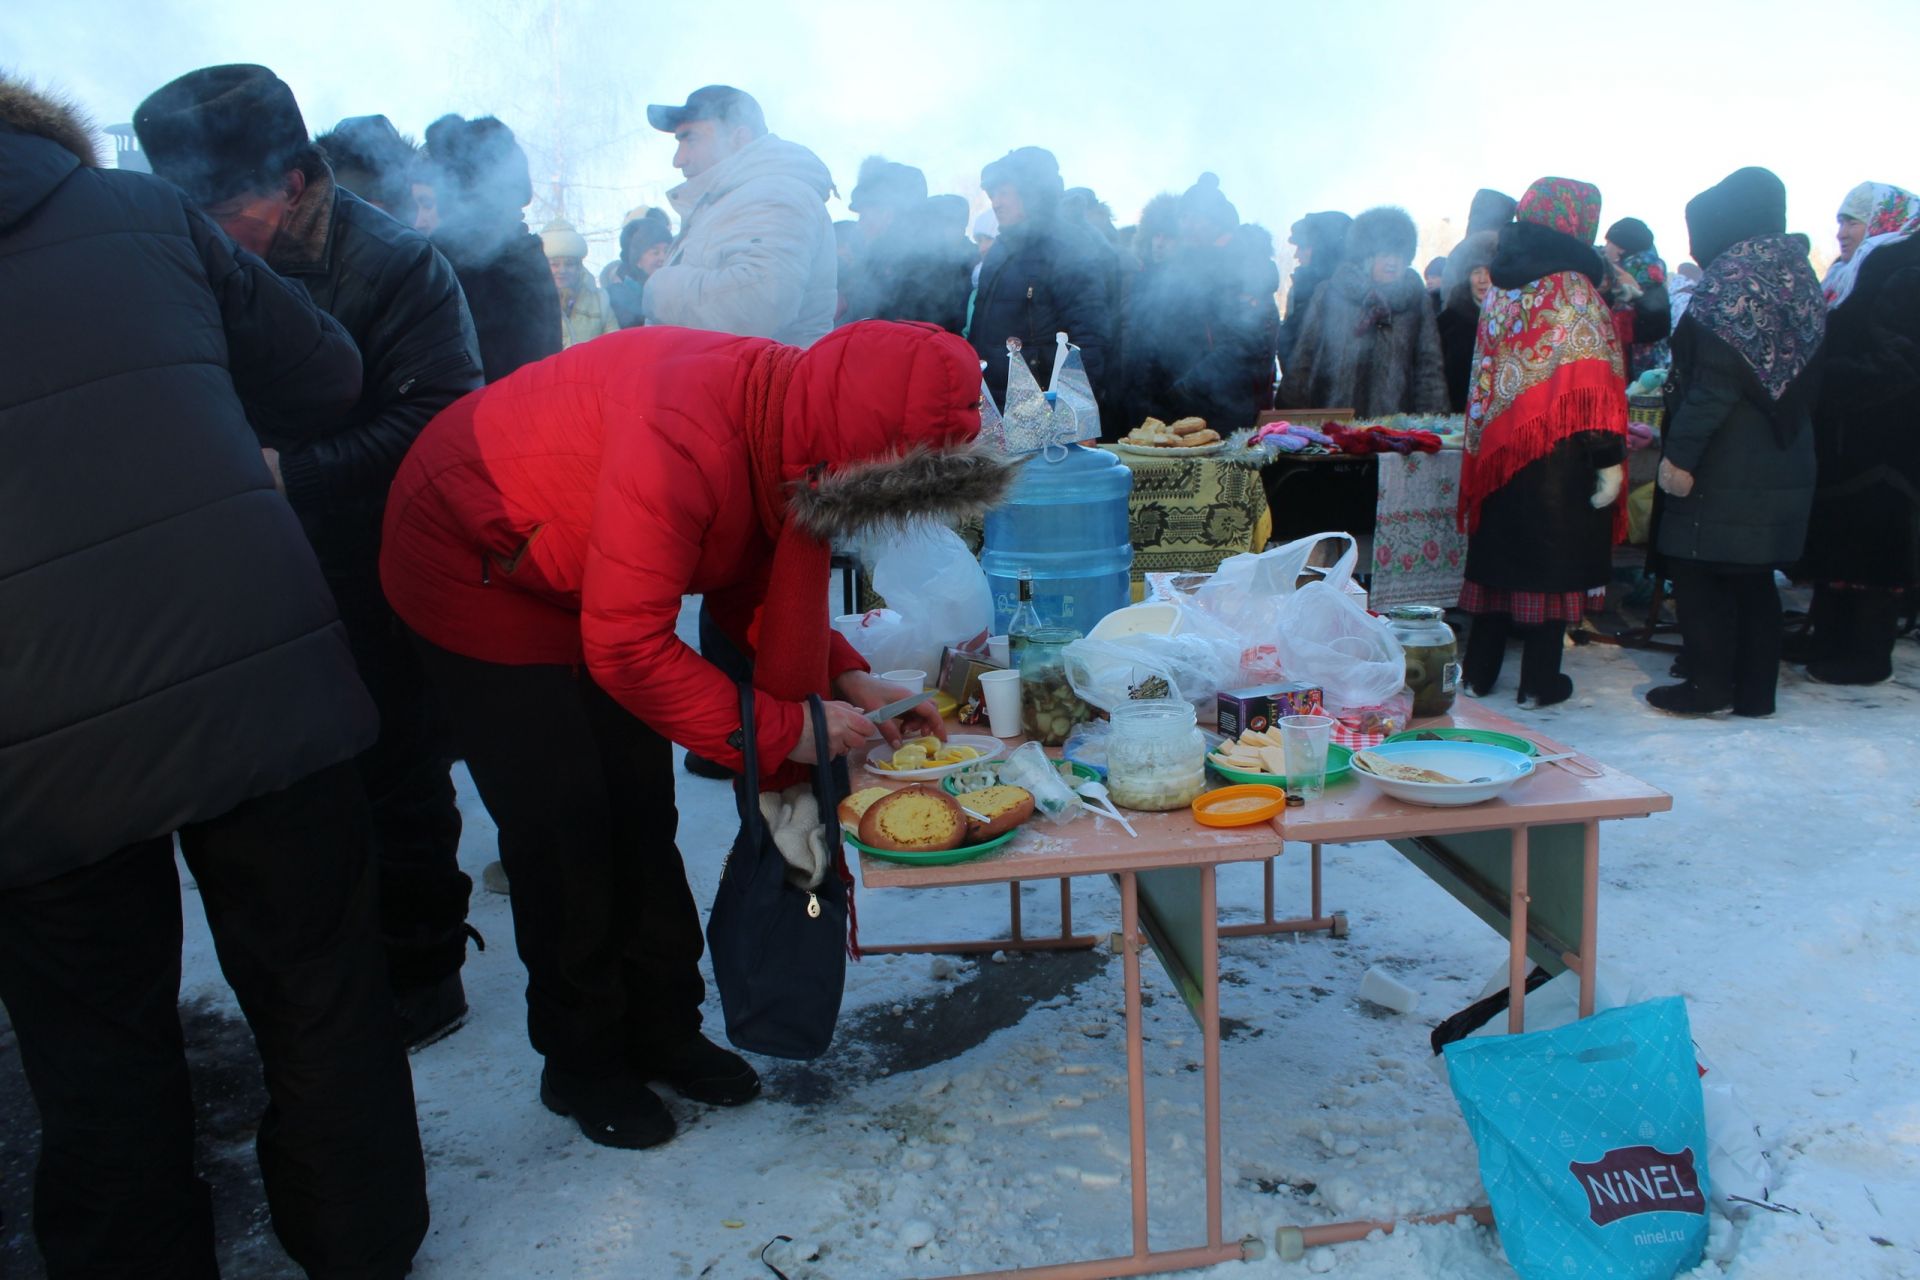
(560, 514)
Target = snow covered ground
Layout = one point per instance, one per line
(973, 1115)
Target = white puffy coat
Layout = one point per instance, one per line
(756, 254)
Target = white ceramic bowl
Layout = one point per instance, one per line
(1501, 767)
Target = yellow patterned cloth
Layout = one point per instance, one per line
(1189, 514)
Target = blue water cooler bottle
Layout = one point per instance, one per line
(1066, 524)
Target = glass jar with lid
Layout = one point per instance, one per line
(1433, 667)
(1049, 708)
(1156, 756)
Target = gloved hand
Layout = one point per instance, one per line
(1606, 485)
(1675, 481)
(793, 820)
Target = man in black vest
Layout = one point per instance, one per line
(233, 139)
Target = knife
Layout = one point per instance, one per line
(896, 709)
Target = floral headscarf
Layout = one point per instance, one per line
(1891, 214)
(1569, 207)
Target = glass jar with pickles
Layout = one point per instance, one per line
(1433, 667)
(1049, 708)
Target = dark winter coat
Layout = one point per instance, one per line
(171, 648)
(1540, 531)
(1201, 333)
(1866, 509)
(510, 294)
(1751, 492)
(1044, 277)
(1459, 325)
(916, 271)
(1373, 350)
(399, 301)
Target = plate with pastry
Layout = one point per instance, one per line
(929, 759)
(924, 826)
(1186, 438)
(1442, 774)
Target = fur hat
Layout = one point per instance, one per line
(1204, 204)
(483, 161)
(882, 184)
(1632, 235)
(1324, 233)
(43, 115)
(558, 239)
(221, 131)
(370, 158)
(1033, 172)
(1383, 230)
(1490, 210)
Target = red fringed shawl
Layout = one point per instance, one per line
(1547, 365)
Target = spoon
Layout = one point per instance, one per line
(1094, 789)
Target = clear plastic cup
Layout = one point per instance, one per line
(1001, 691)
(1304, 740)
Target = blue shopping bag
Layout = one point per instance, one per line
(1593, 1143)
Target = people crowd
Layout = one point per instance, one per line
(364, 475)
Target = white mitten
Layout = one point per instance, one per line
(1606, 485)
(793, 819)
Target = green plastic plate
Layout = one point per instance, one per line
(1339, 765)
(941, 858)
(1450, 734)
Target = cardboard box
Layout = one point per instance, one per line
(960, 672)
(1260, 708)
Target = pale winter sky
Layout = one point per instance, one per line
(1340, 105)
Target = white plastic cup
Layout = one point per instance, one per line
(1001, 689)
(906, 678)
(1304, 740)
(998, 651)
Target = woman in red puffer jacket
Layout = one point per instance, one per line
(539, 540)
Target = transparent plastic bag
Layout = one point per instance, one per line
(1327, 639)
(1028, 767)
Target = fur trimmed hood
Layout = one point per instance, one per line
(43, 114)
(946, 485)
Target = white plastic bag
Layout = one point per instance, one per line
(928, 577)
(1247, 590)
(881, 637)
(1195, 666)
(1327, 639)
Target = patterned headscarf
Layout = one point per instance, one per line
(1891, 214)
(1568, 206)
(1760, 298)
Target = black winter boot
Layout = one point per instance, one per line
(1540, 677)
(701, 1071)
(1686, 700)
(1814, 643)
(1863, 649)
(1486, 651)
(614, 1111)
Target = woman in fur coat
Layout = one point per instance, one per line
(538, 542)
(1546, 442)
(1370, 342)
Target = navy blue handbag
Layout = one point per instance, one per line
(780, 951)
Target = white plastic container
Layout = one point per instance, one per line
(1156, 756)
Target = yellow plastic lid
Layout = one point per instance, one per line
(1241, 806)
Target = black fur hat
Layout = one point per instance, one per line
(484, 161)
(1385, 229)
(1033, 172)
(221, 131)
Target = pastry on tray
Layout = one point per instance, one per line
(999, 808)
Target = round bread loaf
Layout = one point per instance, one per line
(855, 806)
(914, 819)
(1003, 807)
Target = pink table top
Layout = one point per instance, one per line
(1352, 809)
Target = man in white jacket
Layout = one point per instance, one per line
(756, 252)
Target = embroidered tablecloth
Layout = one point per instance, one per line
(1419, 553)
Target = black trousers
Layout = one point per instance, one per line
(416, 819)
(583, 795)
(1730, 632)
(90, 972)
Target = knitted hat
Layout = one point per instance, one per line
(643, 229)
(558, 239)
(1204, 204)
(1324, 233)
(1382, 230)
(1746, 203)
(1033, 172)
(1565, 205)
(1632, 235)
(221, 131)
(1489, 211)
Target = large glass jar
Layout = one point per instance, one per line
(1049, 708)
(1433, 667)
(1156, 758)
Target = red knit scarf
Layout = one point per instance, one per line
(1547, 366)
